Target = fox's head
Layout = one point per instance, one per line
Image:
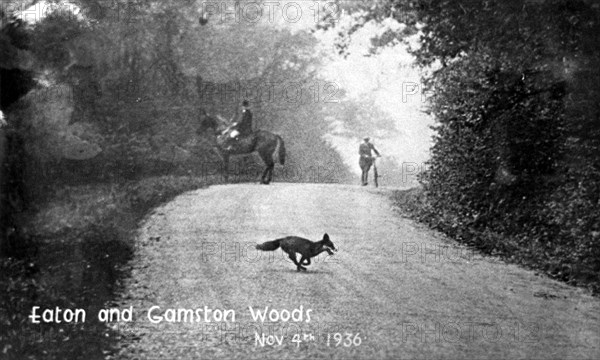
(326, 242)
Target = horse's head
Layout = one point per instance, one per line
(327, 243)
(216, 123)
(207, 122)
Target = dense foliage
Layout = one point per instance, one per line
(120, 86)
(515, 90)
(517, 147)
(102, 108)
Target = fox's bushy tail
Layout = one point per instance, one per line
(269, 245)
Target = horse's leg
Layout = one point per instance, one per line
(271, 151)
(270, 173)
(267, 175)
(264, 179)
(225, 166)
(224, 156)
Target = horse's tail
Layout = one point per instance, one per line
(269, 245)
(281, 153)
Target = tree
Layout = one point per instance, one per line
(516, 100)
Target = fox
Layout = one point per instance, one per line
(295, 244)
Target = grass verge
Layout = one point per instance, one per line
(531, 254)
(78, 243)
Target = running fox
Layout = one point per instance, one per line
(295, 244)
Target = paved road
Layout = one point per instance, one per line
(394, 290)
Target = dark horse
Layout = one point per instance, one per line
(265, 143)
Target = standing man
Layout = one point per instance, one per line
(366, 159)
(244, 126)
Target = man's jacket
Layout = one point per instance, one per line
(245, 125)
(364, 150)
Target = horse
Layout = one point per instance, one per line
(265, 143)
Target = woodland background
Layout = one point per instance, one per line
(102, 110)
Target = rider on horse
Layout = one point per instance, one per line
(265, 143)
(244, 126)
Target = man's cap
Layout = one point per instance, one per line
(367, 138)
(245, 103)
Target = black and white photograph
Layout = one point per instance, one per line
(299, 179)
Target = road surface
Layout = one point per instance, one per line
(393, 290)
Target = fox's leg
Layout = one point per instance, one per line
(298, 265)
(293, 258)
(305, 261)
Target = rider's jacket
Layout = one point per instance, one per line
(364, 150)
(244, 126)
